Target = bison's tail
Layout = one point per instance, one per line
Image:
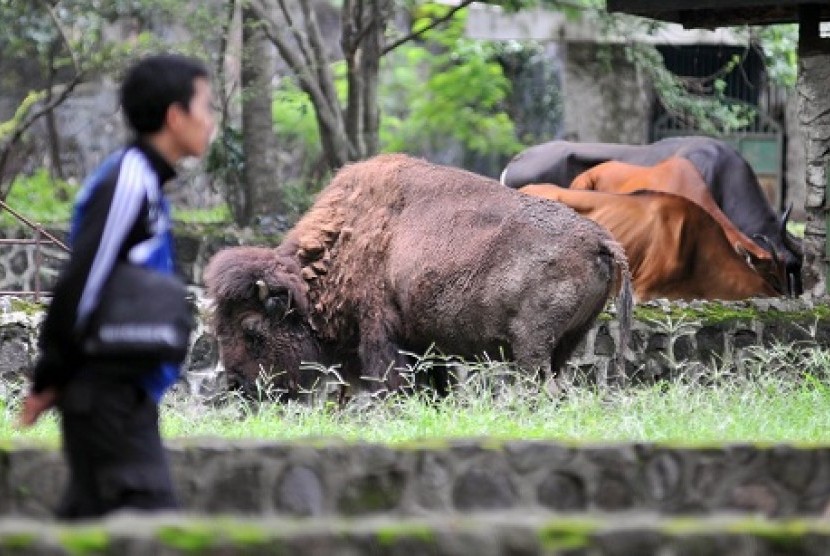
(625, 304)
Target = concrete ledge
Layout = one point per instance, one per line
(477, 534)
(328, 479)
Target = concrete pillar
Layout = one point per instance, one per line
(814, 119)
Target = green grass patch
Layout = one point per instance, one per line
(220, 214)
(39, 198)
(43, 199)
(777, 395)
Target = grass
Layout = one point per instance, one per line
(40, 199)
(46, 200)
(778, 395)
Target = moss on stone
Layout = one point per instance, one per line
(715, 313)
(389, 535)
(84, 540)
(781, 534)
(245, 534)
(192, 537)
(27, 306)
(566, 534)
(17, 540)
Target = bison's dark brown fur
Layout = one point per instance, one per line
(400, 254)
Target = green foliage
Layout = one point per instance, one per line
(40, 198)
(712, 113)
(455, 93)
(9, 126)
(295, 123)
(46, 200)
(779, 44)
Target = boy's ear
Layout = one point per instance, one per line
(174, 115)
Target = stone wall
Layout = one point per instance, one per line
(439, 477)
(483, 534)
(607, 100)
(667, 340)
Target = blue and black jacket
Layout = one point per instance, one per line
(120, 214)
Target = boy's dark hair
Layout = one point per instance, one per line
(154, 83)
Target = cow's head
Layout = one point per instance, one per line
(261, 320)
(787, 252)
(792, 256)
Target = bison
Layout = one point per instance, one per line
(401, 255)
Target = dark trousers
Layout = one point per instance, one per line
(113, 448)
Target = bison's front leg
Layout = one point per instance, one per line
(381, 360)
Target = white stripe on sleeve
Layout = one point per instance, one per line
(134, 180)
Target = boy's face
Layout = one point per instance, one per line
(193, 128)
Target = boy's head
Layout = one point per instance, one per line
(170, 94)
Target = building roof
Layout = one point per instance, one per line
(719, 13)
(491, 22)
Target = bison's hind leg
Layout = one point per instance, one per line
(533, 355)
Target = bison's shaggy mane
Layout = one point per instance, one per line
(342, 241)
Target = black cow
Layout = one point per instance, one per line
(729, 176)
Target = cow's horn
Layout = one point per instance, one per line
(262, 289)
(786, 217)
(766, 244)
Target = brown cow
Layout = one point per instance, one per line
(398, 254)
(679, 176)
(729, 177)
(675, 248)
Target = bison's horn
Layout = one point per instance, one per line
(288, 308)
(262, 289)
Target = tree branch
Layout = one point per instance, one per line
(302, 44)
(302, 70)
(324, 75)
(436, 22)
(31, 118)
(54, 17)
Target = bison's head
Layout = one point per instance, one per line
(261, 319)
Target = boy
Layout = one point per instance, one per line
(109, 411)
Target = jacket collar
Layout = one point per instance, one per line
(160, 166)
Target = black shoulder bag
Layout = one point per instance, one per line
(142, 314)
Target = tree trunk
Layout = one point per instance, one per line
(364, 23)
(261, 184)
(814, 118)
(52, 125)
